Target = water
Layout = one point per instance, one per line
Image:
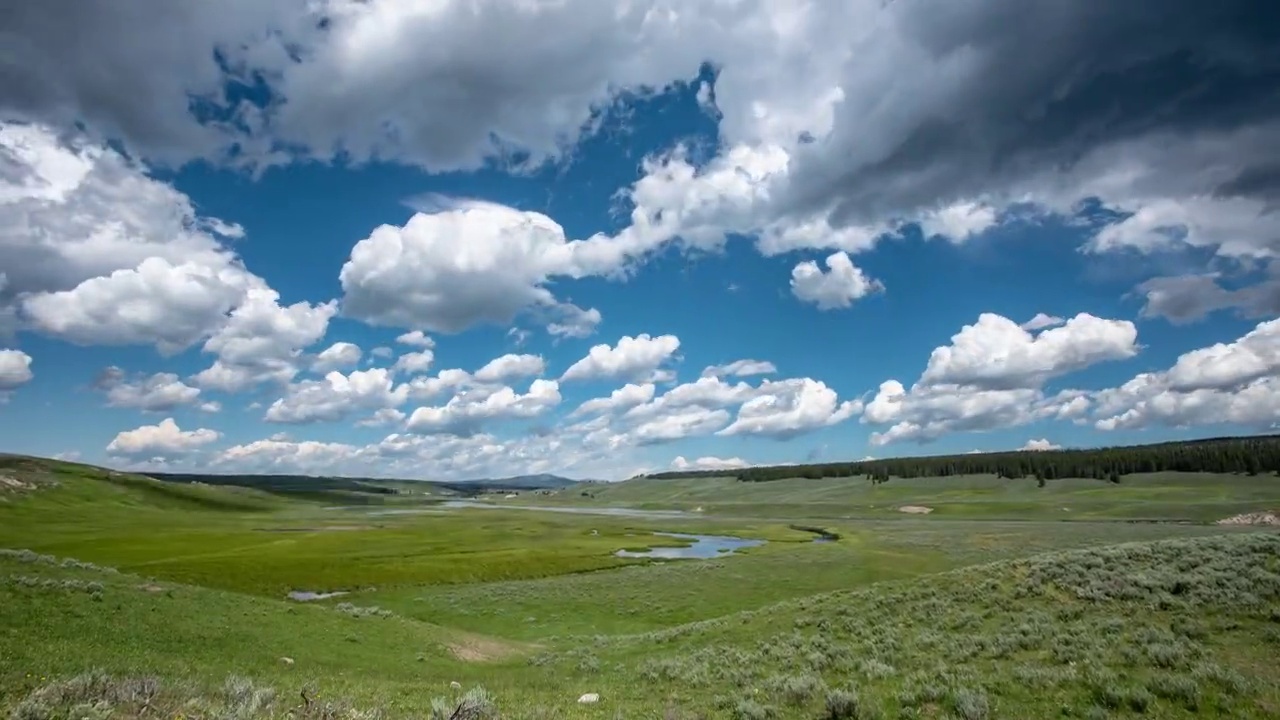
(460, 504)
(615, 511)
(308, 596)
(701, 548)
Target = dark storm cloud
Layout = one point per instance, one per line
(1188, 298)
(968, 97)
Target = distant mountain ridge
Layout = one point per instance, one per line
(540, 481)
(301, 484)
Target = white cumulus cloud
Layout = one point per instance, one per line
(164, 440)
(468, 411)
(740, 368)
(632, 358)
(708, 462)
(161, 392)
(1236, 382)
(337, 355)
(837, 288)
(336, 396)
(15, 369)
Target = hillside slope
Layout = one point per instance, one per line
(1168, 629)
(43, 483)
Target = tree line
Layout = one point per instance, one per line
(1244, 455)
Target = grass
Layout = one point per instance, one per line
(1197, 497)
(176, 593)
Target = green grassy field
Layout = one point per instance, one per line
(999, 603)
(1199, 497)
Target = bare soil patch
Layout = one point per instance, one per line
(1254, 518)
(475, 648)
(319, 528)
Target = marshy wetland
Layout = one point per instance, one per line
(139, 598)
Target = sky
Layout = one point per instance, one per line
(451, 239)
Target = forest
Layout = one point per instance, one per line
(1245, 455)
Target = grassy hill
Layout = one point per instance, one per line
(1166, 496)
(338, 489)
(997, 604)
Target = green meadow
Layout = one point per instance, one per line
(124, 596)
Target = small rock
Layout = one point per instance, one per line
(455, 685)
(286, 660)
(590, 698)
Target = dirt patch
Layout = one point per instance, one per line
(915, 509)
(474, 648)
(1254, 518)
(152, 588)
(321, 528)
(14, 483)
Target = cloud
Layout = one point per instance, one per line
(992, 376)
(161, 392)
(163, 440)
(787, 408)
(383, 417)
(928, 412)
(573, 322)
(15, 371)
(625, 397)
(262, 341)
(1041, 321)
(470, 410)
(171, 306)
(449, 87)
(437, 457)
(708, 463)
(337, 355)
(1236, 382)
(740, 368)
(416, 338)
(471, 263)
(336, 396)
(284, 455)
(415, 362)
(837, 288)
(997, 353)
(96, 252)
(510, 367)
(676, 425)
(632, 415)
(1184, 299)
(632, 358)
(930, 118)
(914, 118)
(1040, 445)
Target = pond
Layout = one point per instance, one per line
(701, 547)
(462, 504)
(615, 511)
(308, 596)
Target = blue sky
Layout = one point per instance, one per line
(734, 247)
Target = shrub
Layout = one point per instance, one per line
(358, 611)
(841, 705)
(797, 689)
(751, 710)
(970, 705)
(1179, 688)
(876, 669)
(476, 704)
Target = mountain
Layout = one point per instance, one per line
(320, 485)
(541, 481)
